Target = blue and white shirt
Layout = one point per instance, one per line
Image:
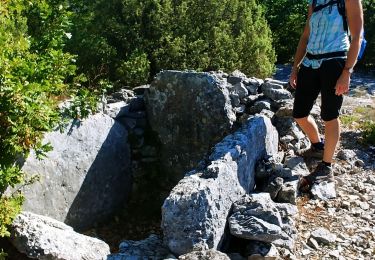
(327, 33)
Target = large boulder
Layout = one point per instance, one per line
(44, 238)
(190, 112)
(86, 177)
(194, 215)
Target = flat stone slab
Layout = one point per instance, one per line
(44, 238)
(86, 176)
(194, 214)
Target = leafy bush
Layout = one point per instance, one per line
(363, 119)
(131, 40)
(369, 17)
(33, 73)
(287, 19)
(368, 128)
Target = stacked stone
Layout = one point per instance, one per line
(241, 197)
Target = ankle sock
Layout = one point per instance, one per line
(327, 164)
(319, 145)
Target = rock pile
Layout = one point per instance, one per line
(240, 200)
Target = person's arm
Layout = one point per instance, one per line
(301, 50)
(354, 14)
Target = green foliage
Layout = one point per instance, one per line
(135, 70)
(34, 71)
(287, 19)
(10, 206)
(369, 17)
(363, 119)
(3, 255)
(349, 120)
(129, 41)
(84, 101)
(368, 128)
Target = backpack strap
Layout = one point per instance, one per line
(342, 11)
(340, 7)
(320, 7)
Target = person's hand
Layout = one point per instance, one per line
(293, 78)
(342, 84)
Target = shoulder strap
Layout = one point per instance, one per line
(342, 11)
(340, 7)
(320, 7)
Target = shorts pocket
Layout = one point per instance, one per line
(340, 62)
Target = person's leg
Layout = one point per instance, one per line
(308, 88)
(331, 105)
(330, 110)
(309, 127)
(332, 136)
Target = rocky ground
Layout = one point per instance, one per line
(340, 228)
(348, 220)
(344, 227)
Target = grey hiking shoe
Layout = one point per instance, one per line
(310, 152)
(321, 173)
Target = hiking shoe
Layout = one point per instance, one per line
(310, 152)
(321, 173)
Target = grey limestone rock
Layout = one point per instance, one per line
(257, 250)
(190, 112)
(116, 109)
(236, 77)
(274, 186)
(123, 94)
(149, 248)
(324, 190)
(259, 106)
(44, 238)
(257, 217)
(194, 215)
(275, 91)
(240, 90)
(85, 177)
(288, 192)
(210, 254)
(297, 165)
(323, 236)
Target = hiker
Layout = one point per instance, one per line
(323, 63)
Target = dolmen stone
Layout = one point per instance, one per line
(194, 214)
(86, 176)
(189, 112)
(44, 238)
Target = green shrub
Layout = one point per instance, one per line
(135, 70)
(34, 71)
(363, 119)
(368, 128)
(287, 19)
(369, 17)
(133, 40)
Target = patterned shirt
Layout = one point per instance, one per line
(327, 33)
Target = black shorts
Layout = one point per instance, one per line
(311, 82)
